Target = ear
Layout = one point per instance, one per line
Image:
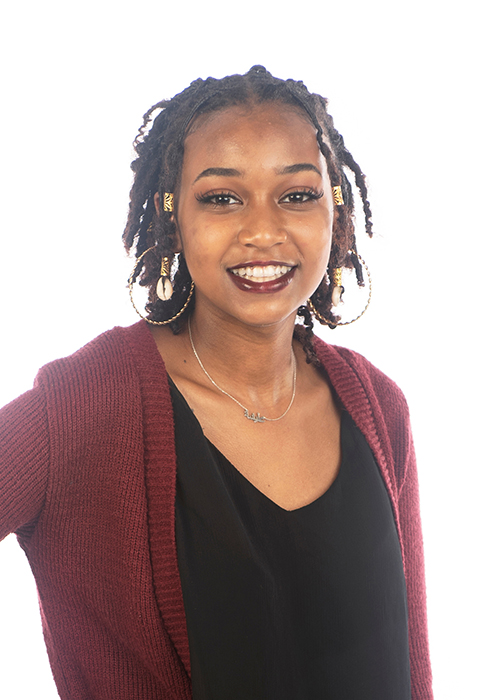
(177, 239)
(157, 203)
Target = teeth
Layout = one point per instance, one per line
(261, 273)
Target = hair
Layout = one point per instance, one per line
(160, 147)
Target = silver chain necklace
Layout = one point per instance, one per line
(256, 417)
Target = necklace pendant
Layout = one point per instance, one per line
(256, 417)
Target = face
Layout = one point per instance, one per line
(254, 212)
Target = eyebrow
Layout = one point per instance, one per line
(221, 172)
(298, 168)
(232, 172)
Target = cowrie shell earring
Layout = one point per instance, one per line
(337, 286)
(164, 288)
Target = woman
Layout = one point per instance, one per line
(244, 524)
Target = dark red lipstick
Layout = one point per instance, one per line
(262, 287)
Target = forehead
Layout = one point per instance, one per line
(272, 133)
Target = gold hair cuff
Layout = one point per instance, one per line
(337, 277)
(338, 199)
(168, 201)
(165, 267)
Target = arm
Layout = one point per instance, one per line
(24, 456)
(411, 534)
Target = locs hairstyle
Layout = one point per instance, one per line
(157, 168)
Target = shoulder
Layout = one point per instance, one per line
(107, 355)
(376, 404)
(104, 377)
(348, 368)
(97, 396)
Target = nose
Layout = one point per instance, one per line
(262, 226)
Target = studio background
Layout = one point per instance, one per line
(414, 90)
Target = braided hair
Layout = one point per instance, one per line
(160, 147)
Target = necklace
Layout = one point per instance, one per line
(256, 417)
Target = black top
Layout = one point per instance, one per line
(308, 604)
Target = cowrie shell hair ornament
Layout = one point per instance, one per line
(329, 323)
(165, 289)
(337, 286)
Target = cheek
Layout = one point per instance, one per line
(319, 238)
(201, 246)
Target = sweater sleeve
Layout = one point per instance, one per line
(411, 535)
(24, 457)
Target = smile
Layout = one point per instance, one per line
(262, 273)
(262, 279)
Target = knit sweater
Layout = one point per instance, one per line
(87, 481)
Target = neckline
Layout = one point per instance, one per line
(225, 463)
(317, 502)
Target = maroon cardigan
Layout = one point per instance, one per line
(87, 481)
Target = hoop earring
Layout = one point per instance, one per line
(345, 323)
(131, 281)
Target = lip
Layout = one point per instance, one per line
(262, 287)
(261, 263)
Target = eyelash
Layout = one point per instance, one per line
(210, 197)
(310, 194)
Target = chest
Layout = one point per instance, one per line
(289, 580)
(293, 461)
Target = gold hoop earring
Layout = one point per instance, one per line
(131, 287)
(346, 323)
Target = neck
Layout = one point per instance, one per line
(255, 364)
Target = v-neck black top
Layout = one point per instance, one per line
(308, 604)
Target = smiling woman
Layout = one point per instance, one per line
(215, 503)
(273, 208)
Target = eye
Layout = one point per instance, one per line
(301, 196)
(218, 199)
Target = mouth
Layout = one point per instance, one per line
(262, 278)
(261, 273)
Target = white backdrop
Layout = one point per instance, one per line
(414, 90)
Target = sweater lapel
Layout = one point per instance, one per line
(160, 473)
